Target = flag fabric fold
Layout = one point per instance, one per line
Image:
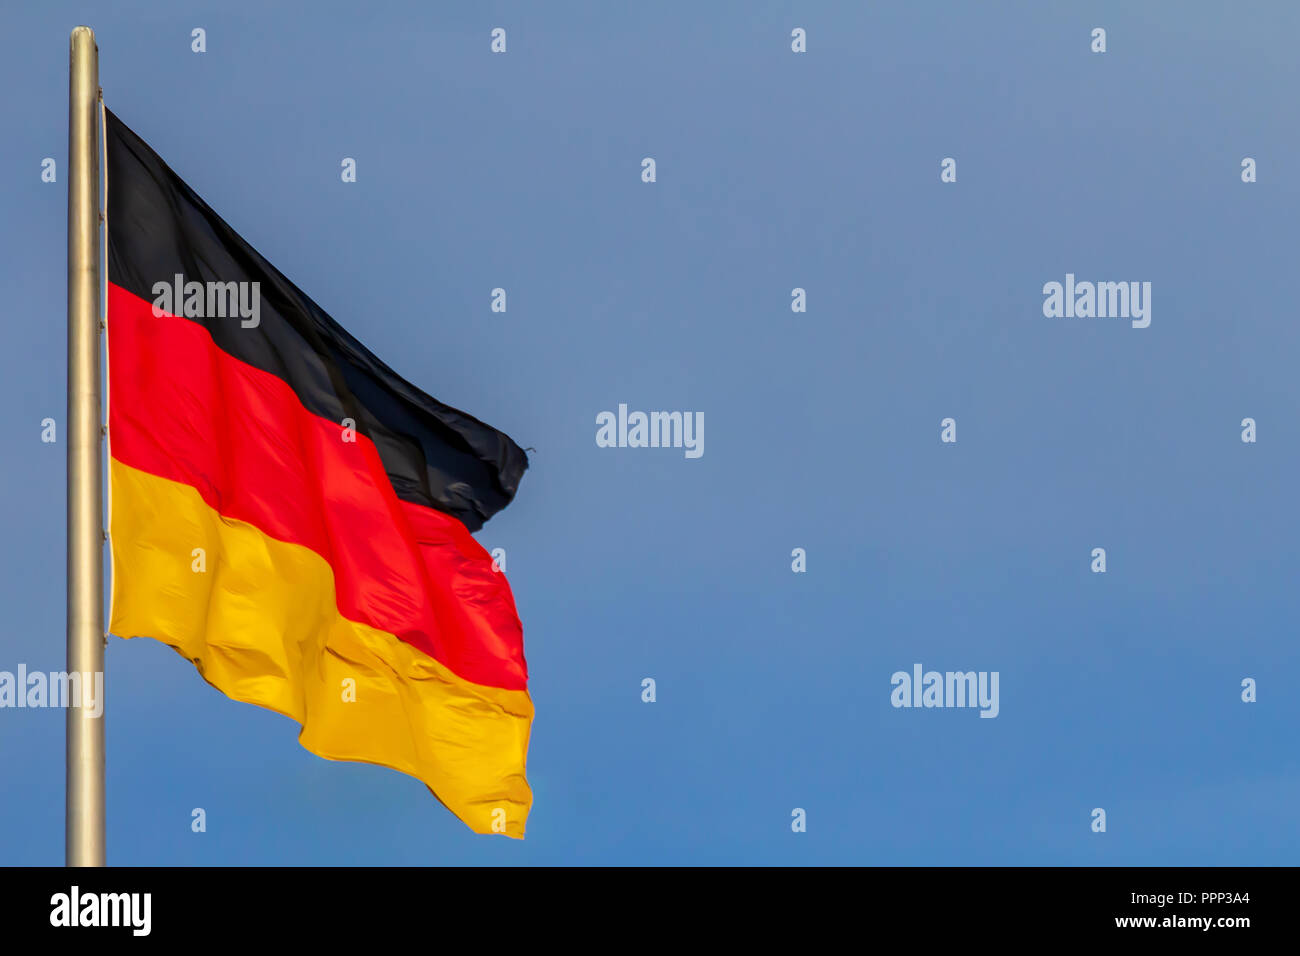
(294, 517)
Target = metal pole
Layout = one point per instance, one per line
(85, 777)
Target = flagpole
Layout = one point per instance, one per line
(85, 754)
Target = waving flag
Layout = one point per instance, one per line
(295, 518)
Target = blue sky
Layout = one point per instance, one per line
(775, 170)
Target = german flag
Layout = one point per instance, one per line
(295, 518)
